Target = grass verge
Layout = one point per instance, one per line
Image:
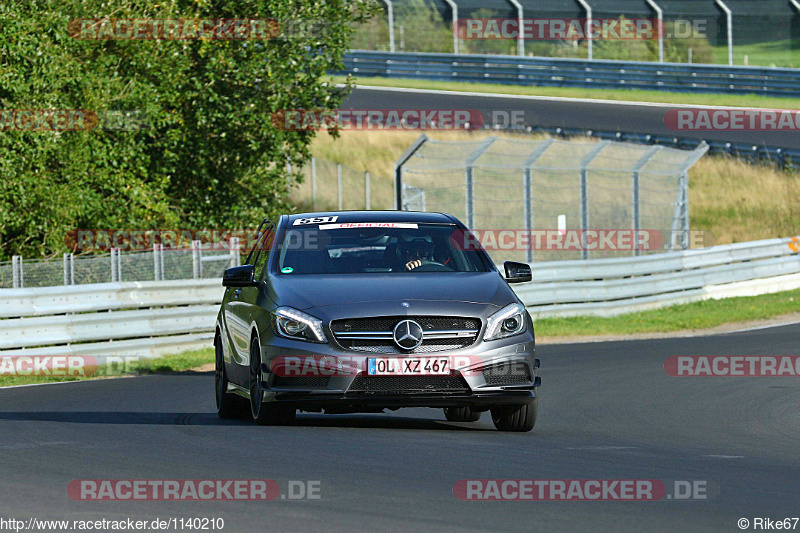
(630, 95)
(162, 365)
(693, 316)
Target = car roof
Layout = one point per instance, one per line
(378, 216)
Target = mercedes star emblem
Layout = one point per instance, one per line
(408, 334)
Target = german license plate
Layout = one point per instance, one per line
(408, 366)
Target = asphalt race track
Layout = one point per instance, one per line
(645, 118)
(607, 411)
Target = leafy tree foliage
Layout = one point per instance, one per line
(184, 135)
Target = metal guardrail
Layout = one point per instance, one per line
(157, 317)
(567, 72)
(608, 287)
(131, 318)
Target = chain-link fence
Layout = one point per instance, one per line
(740, 32)
(329, 186)
(540, 200)
(195, 262)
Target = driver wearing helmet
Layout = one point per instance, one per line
(416, 253)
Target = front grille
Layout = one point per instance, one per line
(507, 374)
(408, 383)
(374, 334)
(306, 382)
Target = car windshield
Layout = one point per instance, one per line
(376, 248)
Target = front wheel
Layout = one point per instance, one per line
(516, 417)
(461, 414)
(264, 414)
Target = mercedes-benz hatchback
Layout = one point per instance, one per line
(347, 312)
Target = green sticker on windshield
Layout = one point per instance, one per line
(287, 270)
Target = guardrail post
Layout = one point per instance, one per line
(637, 225)
(469, 196)
(339, 183)
(236, 259)
(197, 260)
(584, 173)
(366, 189)
(528, 190)
(313, 183)
(16, 268)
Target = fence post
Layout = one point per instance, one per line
(314, 183)
(637, 223)
(366, 187)
(469, 180)
(113, 266)
(684, 181)
(119, 264)
(398, 170)
(339, 182)
(585, 194)
(69, 273)
(528, 189)
(16, 268)
(197, 260)
(235, 256)
(157, 264)
(390, 14)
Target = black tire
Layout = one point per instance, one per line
(228, 405)
(461, 414)
(516, 417)
(264, 414)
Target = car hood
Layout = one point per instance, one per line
(307, 291)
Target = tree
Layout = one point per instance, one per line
(196, 146)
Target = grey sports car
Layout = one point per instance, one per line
(362, 311)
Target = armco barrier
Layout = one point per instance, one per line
(561, 72)
(608, 287)
(153, 318)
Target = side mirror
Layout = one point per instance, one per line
(517, 272)
(241, 276)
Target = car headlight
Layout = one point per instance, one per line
(507, 322)
(294, 324)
